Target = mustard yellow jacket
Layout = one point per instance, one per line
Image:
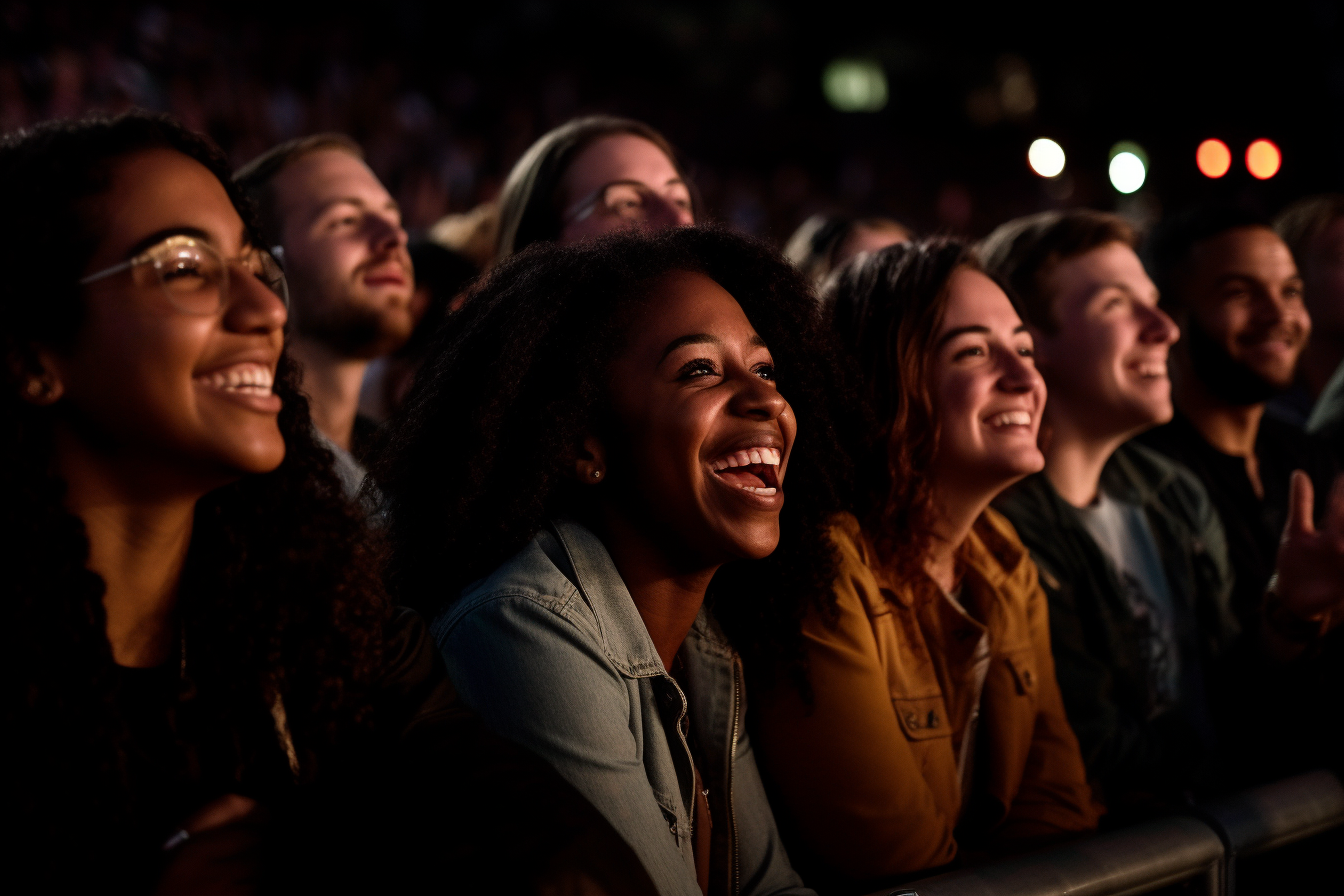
(866, 779)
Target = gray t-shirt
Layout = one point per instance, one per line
(1122, 532)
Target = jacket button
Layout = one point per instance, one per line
(912, 719)
(933, 718)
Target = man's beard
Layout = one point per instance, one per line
(1227, 379)
(354, 332)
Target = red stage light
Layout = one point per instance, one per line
(1263, 159)
(1213, 158)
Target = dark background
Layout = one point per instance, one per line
(446, 96)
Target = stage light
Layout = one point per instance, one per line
(1129, 166)
(855, 85)
(1046, 157)
(1263, 159)
(1213, 158)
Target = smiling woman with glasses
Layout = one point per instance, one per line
(591, 176)
(204, 683)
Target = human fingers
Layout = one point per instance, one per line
(1300, 500)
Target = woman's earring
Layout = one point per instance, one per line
(597, 474)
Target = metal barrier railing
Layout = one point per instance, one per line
(1144, 857)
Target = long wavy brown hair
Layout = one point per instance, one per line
(885, 309)
(281, 592)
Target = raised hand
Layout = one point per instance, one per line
(1310, 568)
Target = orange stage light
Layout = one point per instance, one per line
(1213, 158)
(1263, 159)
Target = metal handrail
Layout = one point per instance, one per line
(1155, 854)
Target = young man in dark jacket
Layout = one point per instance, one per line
(1132, 553)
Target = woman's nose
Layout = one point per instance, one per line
(1018, 374)
(758, 398)
(253, 307)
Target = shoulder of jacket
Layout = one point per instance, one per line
(528, 576)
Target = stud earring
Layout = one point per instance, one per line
(597, 474)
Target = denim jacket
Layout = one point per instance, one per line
(553, 654)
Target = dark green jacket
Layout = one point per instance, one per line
(1132, 756)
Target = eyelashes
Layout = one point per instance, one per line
(706, 367)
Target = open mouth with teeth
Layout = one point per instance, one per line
(1151, 370)
(244, 379)
(754, 470)
(1009, 418)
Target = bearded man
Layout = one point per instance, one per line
(350, 275)
(1230, 283)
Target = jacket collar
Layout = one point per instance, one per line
(625, 638)
(987, 554)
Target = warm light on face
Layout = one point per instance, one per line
(1046, 157)
(1263, 159)
(1213, 158)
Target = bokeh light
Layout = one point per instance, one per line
(1213, 158)
(855, 85)
(1129, 166)
(1046, 157)
(1127, 172)
(1263, 159)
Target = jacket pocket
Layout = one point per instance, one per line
(1022, 665)
(922, 718)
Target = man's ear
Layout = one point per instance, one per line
(34, 372)
(590, 461)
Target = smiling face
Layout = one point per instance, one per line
(987, 395)
(349, 272)
(1247, 322)
(703, 436)
(1106, 364)
(639, 169)
(186, 392)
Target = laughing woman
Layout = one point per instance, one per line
(934, 719)
(196, 637)
(601, 452)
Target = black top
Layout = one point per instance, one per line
(1253, 525)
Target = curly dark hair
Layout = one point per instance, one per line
(484, 451)
(281, 592)
(885, 309)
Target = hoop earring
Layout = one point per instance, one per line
(597, 474)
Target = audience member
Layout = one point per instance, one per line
(442, 277)
(344, 252)
(591, 176)
(1232, 286)
(1313, 229)
(473, 235)
(206, 688)
(626, 470)
(823, 243)
(932, 723)
(1327, 417)
(1130, 550)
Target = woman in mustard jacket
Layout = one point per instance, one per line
(931, 720)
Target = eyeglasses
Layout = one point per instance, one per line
(193, 274)
(628, 199)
